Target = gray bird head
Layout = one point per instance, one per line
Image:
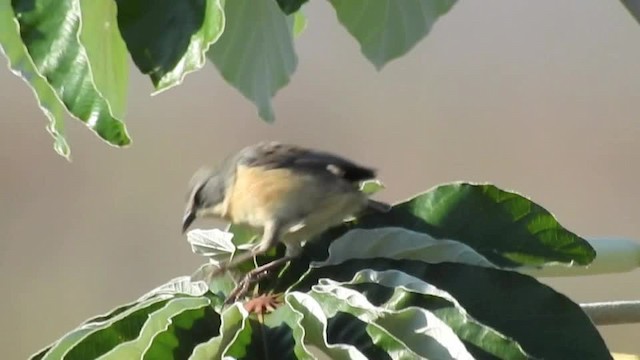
(206, 194)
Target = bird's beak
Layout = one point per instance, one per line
(188, 218)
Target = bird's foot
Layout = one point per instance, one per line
(242, 287)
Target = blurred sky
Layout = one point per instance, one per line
(537, 96)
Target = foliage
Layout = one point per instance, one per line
(74, 53)
(434, 278)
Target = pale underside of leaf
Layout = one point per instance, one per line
(388, 29)
(255, 53)
(399, 243)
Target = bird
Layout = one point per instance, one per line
(286, 192)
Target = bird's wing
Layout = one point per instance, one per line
(278, 155)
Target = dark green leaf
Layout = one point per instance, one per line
(102, 340)
(388, 29)
(505, 227)
(395, 290)
(187, 330)
(270, 342)
(255, 53)
(168, 39)
(515, 305)
(290, 6)
(54, 39)
(234, 319)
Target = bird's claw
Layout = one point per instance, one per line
(242, 287)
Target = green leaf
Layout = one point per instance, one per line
(516, 305)
(182, 285)
(371, 187)
(22, 66)
(409, 333)
(270, 341)
(84, 340)
(314, 323)
(168, 39)
(255, 53)
(299, 23)
(338, 246)
(107, 52)
(158, 336)
(388, 29)
(52, 34)
(505, 227)
(290, 6)
(234, 320)
(396, 290)
(401, 244)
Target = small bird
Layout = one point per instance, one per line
(288, 193)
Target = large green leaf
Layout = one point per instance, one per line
(314, 322)
(22, 65)
(98, 336)
(233, 320)
(171, 332)
(505, 227)
(255, 53)
(168, 39)
(399, 243)
(397, 290)
(388, 29)
(406, 333)
(55, 41)
(516, 305)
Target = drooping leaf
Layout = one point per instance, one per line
(505, 227)
(388, 29)
(21, 65)
(516, 305)
(168, 39)
(54, 39)
(290, 6)
(255, 53)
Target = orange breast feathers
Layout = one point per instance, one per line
(260, 195)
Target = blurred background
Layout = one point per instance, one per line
(537, 96)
